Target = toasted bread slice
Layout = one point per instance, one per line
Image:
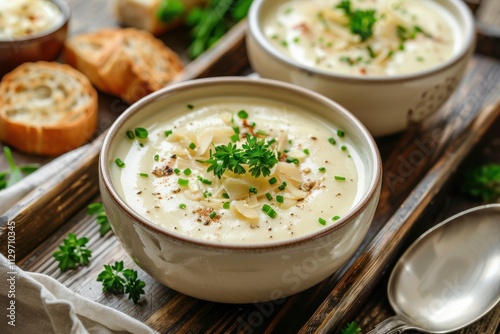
(46, 108)
(129, 63)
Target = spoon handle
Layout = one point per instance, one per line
(390, 325)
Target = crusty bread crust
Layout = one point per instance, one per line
(46, 108)
(129, 63)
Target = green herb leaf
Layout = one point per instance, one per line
(254, 152)
(170, 10)
(361, 22)
(102, 219)
(117, 280)
(15, 173)
(72, 253)
(351, 328)
(483, 182)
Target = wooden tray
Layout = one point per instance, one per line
(418, 170)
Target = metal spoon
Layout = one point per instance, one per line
(449, 277)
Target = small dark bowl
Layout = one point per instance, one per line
(46, 45)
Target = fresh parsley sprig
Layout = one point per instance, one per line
(73, 253)
(483, 182)
(361, 22)
(254, 152)
(102, 218)
(351, 328)
(117, 280)
(15, 173)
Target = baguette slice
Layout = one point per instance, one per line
(143, 14)
(46, 108)
(129, 63)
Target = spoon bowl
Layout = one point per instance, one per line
(449, 277)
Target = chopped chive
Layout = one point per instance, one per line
(225, 195)
(322, 169)
(332, 141)
(141, 133)
(168, 133)
(119, 163)
(269, 211)
(280, 199)
(130, 134)
(242, 114)
(236, 129)
(282, 186)
(339, 178)
(156, 157)
(296, 39)
(143, 174)
(177, 171)
(212, 214)
(269, 196)
(205, 181)
(187, 172)
(271, 141)
(190, 106)
(306, 151)
(253, 124)
(182, 206)
(226, 205)
(235, 138)
(335, 218)
(183, 182)
(340, 133)
(207, 194)
(272, 180)
(343, 148)
(141, 144)
(321, 221)
(262, 133)
(192, 146)
(284, 43)
(293, 160)
(252, 190)
(286, 150)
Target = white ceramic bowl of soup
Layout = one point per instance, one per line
(398, 72)
(174, 223)
(31, 30)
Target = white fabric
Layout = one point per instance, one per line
(43, 305)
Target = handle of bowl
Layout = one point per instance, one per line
(391, 325)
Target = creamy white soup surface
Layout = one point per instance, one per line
(238, 172)
(364, 37)
(23, 18)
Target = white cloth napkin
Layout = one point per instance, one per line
(37, 303)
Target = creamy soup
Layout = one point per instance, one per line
(364, 37)
(23, 18)
(238, 172)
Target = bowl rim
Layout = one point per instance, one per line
(105, 175)
(66, 13)
(465, 48)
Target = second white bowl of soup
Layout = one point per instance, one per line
(390, 62)
(223, 188)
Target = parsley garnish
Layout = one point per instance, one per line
(118, 281)
(351, 328)
(73, 253)
(483, 182)
(361, 22)
(15, 173)
(102, 219)
(255, 153)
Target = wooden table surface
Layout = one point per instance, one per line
(470, 116)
